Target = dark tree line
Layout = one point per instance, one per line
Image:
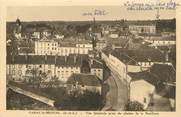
(166, 25)
(81, 101)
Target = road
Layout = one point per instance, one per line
(122, 96)
(112, 94)
(118, 89)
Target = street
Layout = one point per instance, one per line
(112, 94)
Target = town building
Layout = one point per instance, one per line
(101, 44)
(82, 82)
(142, 87)
(164, 41)
(20, 67)
(38, 31)
(113, 35)
(51, 47)
(142, 28)
(96, 68)
(59, 66)
(158, 80)
(123, 60)
(46, 47)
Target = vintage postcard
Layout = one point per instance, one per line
(117, 59)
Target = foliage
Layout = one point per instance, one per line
(80, 101)
(134, 106)
(166, 25)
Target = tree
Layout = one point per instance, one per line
(134, 106)
(80, 101)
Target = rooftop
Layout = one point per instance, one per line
(142, 54)
(97, 64)
(71, 60)
(153, 79)
(148, 23)
(166, 72)
(84, 79)
(145, 75)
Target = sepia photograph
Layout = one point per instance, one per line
(91, 58)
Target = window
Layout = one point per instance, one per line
(74, 51)
(20, 66)
(29, 67)
(13, 72)
(19, 72)
(40, 72)
(83, 51)
(49, 71)
(40, 66)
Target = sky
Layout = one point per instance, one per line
(75, 13)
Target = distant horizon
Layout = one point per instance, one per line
(75, 13)
(86, 20)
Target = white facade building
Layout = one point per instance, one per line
(50, 47)
(59, 66)
(142, 29)
(141, 91)
(161, 42)
(97, 68)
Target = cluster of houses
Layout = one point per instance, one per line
(143, 70)
(142, 66)
(140, 58)
(63, 59)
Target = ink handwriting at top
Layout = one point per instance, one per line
(96, 12)
(171, 5)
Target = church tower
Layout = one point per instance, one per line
(17, 29)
